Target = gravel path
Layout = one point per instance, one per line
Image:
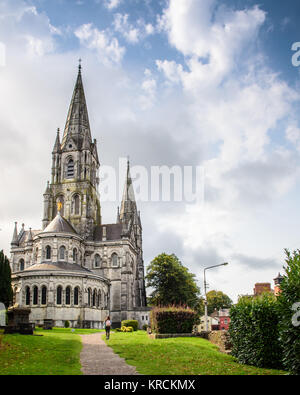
(98, 359)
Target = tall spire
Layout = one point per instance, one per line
(77, 124)
(128, 205)
(15, 240)
(57, 146)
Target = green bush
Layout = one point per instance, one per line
(254, 331)
(173, 319)
(289, 328)
(144, 327)
(133, 323)
(67, 324)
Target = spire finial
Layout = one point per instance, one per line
(79, 67)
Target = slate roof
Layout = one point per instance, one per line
(58, 266)
(59, 225)
(113, 232)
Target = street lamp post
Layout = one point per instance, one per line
(205, 287)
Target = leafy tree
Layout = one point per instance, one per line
(172, 283)
(289, 309)
(6, 293)
(217, 300)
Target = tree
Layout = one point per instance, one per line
(172, 283)
(217, 300)
(6, 293)
(289, 309)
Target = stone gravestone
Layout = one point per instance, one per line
(48, 324)
(18, 321)
(2, 315)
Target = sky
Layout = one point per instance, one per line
(201, 83)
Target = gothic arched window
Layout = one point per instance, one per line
(44, 295)
(68, 295)
(89, 296)
(76, 296)
(27, 292)
(76, 205)
(70, 169)
(114, 260)
(22, 265)
(94, 298)
(62, 253)
(59, 295)
(75, 254)
(48, 252)
(35, 295)
(99, 299)
(97, 260)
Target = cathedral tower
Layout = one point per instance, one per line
(75, 167)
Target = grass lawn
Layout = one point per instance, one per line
(55, 353)
(178, 356)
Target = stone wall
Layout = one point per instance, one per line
(221, 339)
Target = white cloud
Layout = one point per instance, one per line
(212, 46)
(112, 4)
(132, 34)
(149, 87)
(107, 48)
(173, 71)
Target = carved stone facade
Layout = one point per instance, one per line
(77, 269)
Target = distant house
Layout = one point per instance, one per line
(261, 288)
(218, 320)
(212, 324)
(277, 281)
(224, 319)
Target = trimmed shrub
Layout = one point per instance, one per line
(173, 319)
(254, 331)
(289, 309)
(67, 324)
(133, 323)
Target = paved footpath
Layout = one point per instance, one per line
(98, 359)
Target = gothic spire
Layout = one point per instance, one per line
(29, 236)
(77, 124)
(128, 205)
(57, 146)
(15, 240)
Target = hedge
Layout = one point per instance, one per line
(254, 331)
(133, 323)
(173, 319)
(289, 310)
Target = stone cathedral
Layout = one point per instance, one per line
(77, 269)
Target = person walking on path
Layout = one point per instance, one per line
(107, 327)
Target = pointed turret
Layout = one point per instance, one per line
(77, 124)
(48, 190)
(128, 205)
(15, 240)
(57, 146)
(22, 231)
(29, 237)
